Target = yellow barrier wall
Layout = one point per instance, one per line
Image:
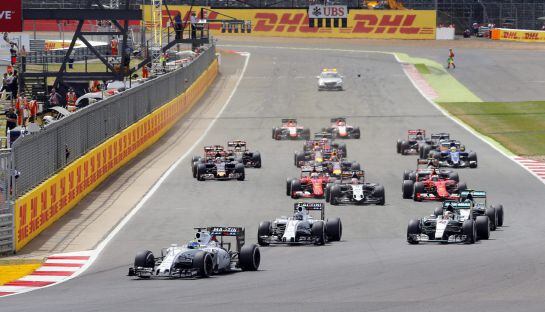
(377, 24)
(41, 207)
(518, 35)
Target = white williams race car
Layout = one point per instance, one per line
(201, 257)
(302, 228)
(329, 79)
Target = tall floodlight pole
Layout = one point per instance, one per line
(156, 19)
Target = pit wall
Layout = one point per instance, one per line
(375, 24)
(42, 206)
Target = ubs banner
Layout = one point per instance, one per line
(377, 24)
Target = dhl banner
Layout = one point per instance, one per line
(518, 35)
(377, 24)
(41, 207)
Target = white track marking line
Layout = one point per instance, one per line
(15, 289)
(43, 278)
(52, 261)
(57, 269)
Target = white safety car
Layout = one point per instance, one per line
(329, 79)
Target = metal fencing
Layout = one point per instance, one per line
(38, 156)
(6, 211)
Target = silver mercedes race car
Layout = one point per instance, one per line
(201, 257)
(329, 79)
(302, 228)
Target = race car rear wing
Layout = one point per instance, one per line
(416, 131)
(440, 136)
(473, 193)
(425, 163)
(323, 135)
(352, 173)
(338, 119)
(286, 120)
(226, 231)
(297, 207)
(456, 205)
(213, 148)
(312, 168)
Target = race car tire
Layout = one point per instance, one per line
(334, 194)
(318, 232)
(239, 168)
(294, 188)
(406, 174)
(462, 187)
(298, 157)
(356, 133)
(438, 211)
(194, 169)
(256, 159)
(499, 214)
(203, 263)
(407, 187)
(425, 151)
(238, 160)
(404, 147)
(195, 159)
(418, 189)
(412, 176)
(355, 166)
(398, 146)
(472, 157)
(454, 176)
(144, 259)
(482, 223)
(378, 192)
(288, 186)
(492, 214)
(201, 169)
(249, 257)
(334, 229)
(413, 228)
(469, 230)
(263, 230)
(305, 134)
(342, 147)
(327, 192)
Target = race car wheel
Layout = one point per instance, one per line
(355, 166)
(482, 223)
(454, 176)
(144, 259)
(327, 192)
(492, 214)
(276, 133)
(249, 257)
(412, 176)
(263, 230)
(407, 187)
(406, 174)
(378, 192)
(318, 231)
(295, 187)
(404, 147)
(398, 146)
(438, 211)
(413, 229)
(469, 230)
(334, 229)
(425, 151)
(256, 159)
(342, 147)
(288, 186)
(462, 187)
(239, 168)
(298, 157)
(306, 134)
(203, 263)
(356, 133)
(201, 170)
(472, 157)
(499, 214)
(418, 189)
(194, 169)
(334, 194)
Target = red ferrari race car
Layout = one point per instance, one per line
(341, 130)
(311, 184)
(432, 184)
(290, 131)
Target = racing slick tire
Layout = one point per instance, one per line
(398, 146)
(413, 228)
(318, 231)
(412, 176)
(305, 134)
(201, 169)
(404, 147)
(378, 192)
(294, 188)
(194, 169)
(356, 133)
(239, 168)
(144, 259)
(288, 186)
(424, 151)
(195, 159)
(249, 257)
(334, 229)
(203, 263)
(406, 174)
(470, 231)
(334, 194)
(462, 187)
(263, 230)
(355, 166)
(327, 192)
(472, 157)
(482, 224)
(499, 214)
(418, 189)
(256, 159)
(438, 211)
(342, 147)
(407, 187)
(276, 133)
(492, 214)
(454, 176)
(298, 157)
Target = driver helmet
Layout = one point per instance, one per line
(453, 144)
(341, 123)
(447, 215)
(453, 149)
(314, 175)
(434, 178)
(450, 208)
(419, 135)
(193, 244)
(354, 180)
(299, 216)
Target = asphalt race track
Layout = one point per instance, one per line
(372, 268)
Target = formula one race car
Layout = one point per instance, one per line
(201, 257)
(340, 130)
(302, 228)
(216, 165)
(452, 154)
(351, 189)
(238, 150)
(329, 79)
(432, 184)
(211, 153)
(453, 225)
(477, 199)
(433, 144)
(290, 131)
(324, 141)
(415, 139)
(311, 184)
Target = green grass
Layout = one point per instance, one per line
(519, 126)
(422, 68)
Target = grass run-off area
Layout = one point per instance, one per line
(519, 126)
